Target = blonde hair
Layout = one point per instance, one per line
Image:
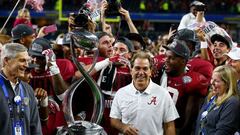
(23, 11)
(229, 75)
(5, 39)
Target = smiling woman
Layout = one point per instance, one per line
(219, 115)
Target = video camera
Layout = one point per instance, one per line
(81, 18)
(201, 7)
(113, 7)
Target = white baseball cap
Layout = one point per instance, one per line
(234, 54)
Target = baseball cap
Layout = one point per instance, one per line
(225, 39)
(136, 37)
(59, 40)
(180, 48)
(66, 39)
(195, 3)
(186, 35)
(127, 42)
(21, 30)
(38, 46)
(234, 54)
(31, 66)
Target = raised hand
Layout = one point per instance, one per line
(51, 61)
(42, 96)
(125, 14)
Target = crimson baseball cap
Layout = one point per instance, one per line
(180, 48)
(20, 31)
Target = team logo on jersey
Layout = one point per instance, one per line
(153, 100)
(187, 79)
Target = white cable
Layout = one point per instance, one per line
(9, 16)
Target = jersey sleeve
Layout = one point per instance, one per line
(196, 83)
(66, 67)
(115, 108)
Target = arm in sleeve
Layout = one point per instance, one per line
(183, 22)
(170, 111)
(115, 109)
(228, 121)
(35, 124)
(59, 86)
(198, 84)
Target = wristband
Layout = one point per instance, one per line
(102, 64)
(204, 45)
(44, 102)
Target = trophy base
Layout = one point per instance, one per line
(81, 128)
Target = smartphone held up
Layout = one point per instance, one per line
(50, 29)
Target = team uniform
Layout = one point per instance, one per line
(109, 80)
(180, 87)
(56, 118)
(201, 66)
(190, 83)
(146, 111)
(67, 69)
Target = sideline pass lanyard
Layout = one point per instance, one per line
(17, 125)
(210, 105)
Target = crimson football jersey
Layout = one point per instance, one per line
(121, 77)
(201, 66)
(67, 69)
(44, 80)
(181, 87)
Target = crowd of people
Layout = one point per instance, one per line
(168, 6)
(186, 83)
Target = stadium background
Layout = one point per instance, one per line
(151, 17)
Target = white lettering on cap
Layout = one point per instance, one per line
(173, 44)
(36, 47)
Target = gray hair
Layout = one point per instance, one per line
(10, 50)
